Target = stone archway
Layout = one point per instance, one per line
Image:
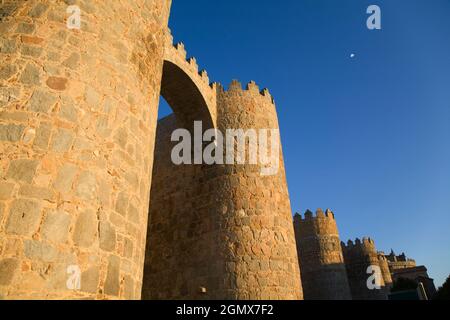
(183, 95)
(77, 144)
(216, 231)
(187, 90)
(175, 211)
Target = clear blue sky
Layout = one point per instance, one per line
(369, 136)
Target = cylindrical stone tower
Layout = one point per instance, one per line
(257, 235)
(78, 112)
(385, 271)
(223, 231)
(358, 257)
(323, 271)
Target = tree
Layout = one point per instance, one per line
(444, 292)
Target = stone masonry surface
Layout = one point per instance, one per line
(323, 271)
(78, 113)
(87, 181)
(78, 126)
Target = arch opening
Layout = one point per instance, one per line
(164, 109)
(184, 97)
(174, 209)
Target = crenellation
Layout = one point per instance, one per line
(320, 257)
(193, 63)
(181, 50)
(204, 75)
(316, 237)
(250, 90)
(309, 215)
(235, 86)
(217, 87)
(87, 182)
(297, 218)
(320, 214)
(252, 86)
(266, 93)
(359, 256)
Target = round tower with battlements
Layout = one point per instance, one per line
(224, 231)
(386, 273)
(323, 271)
(361, 261)
(257, 235)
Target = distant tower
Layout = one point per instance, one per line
(396, 262)
(386, 273)
(358, 257)
(227, 229)
(323, 270)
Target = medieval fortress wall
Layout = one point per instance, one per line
(323, 271)
(78, 123)
(87, 182)
(77, 126)
(259, 241)
(359, 256)
(334, 270)
(385, 271)
(225, 230)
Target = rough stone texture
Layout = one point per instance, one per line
(89, 280)
(57, 83)
(8, 268)
(2, 211)
(6, 190)
(85, 232)
(60, 176)
(22, 170)
(30, 75)
(323, 272)
(11, 132)
(62, 140)
(64, 178)
(225, 228)
(24, 217)
(31, 191)
(112, 278)
(36, 250)
(55, 227)
(77, 137)
(107, 236)
(42, 101)
(358, 256)
(385, 271)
